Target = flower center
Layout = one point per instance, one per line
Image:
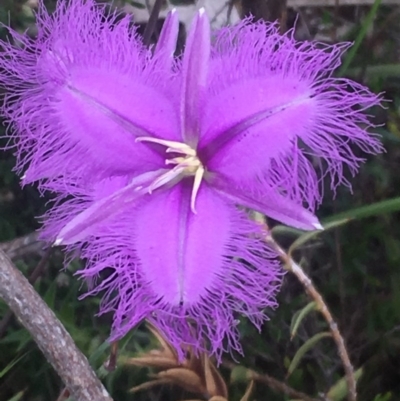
(188, 164)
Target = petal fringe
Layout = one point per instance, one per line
(80, 93)
(191, 275)
(273, 108)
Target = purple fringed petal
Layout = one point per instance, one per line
(262, 108)
(272, 104)
(187, 240)
(194, 77)
(166, 44)
(67, 209)
(82, 92)
(269, 202)
(109, 198)
(190, 274)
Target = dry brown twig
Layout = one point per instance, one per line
(49, 334)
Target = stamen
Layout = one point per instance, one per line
(172, 146)
(189, 165)
(165, 178)
(176, 160)
(198, 177)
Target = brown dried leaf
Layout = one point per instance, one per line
(248, 391)
(169, 351)
(152, 361)
(215, 384)
(195, 374)
(184, 378)
(194, 363)
(148, 385)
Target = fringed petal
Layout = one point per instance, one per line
(194, 77)
(190, 274)
(166, 44)
(272, 105)
(81, 93)
(109, 198)
(267, 201)
(166, 222)
(73, 201)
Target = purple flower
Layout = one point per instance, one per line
(154, 160)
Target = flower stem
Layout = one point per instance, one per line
(309, 287)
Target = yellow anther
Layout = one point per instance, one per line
(187, 165)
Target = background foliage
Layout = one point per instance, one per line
(356, 265)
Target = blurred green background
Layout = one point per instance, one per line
(356, 265)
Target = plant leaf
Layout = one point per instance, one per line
(312, 234)
(214, 382)
(99, 352)
(10, 366)
(248, 392)
(386, 206)
(339, 390)
(184, 378)
(17, 396)
(239, 374)
(360, 37)
(304, 349)
(148, 385)
(299, 316)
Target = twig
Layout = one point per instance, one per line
(296, 269)
(152, 22)
(36, 273)
(49, 334)
(40, 267)
(23, 246)
(272, 383)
